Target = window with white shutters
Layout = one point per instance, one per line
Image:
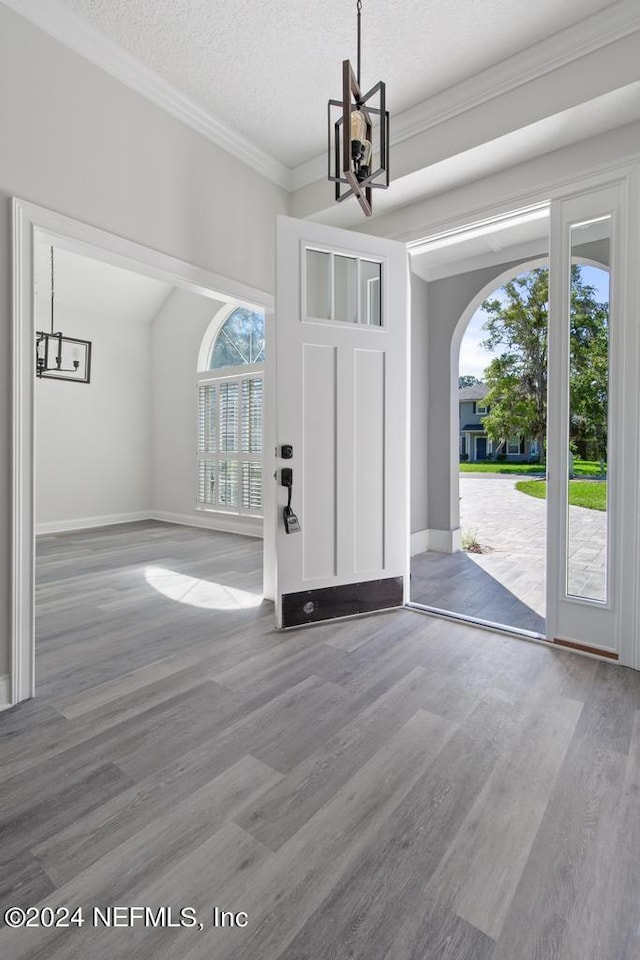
(230, 417)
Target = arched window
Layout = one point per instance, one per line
(240, 340)
(230, 390)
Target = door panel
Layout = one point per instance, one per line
(319, 463)
(342, 404)
(369, 466)
(586, 557)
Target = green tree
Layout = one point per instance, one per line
(589, 371)
(468, 381)
(517, 376)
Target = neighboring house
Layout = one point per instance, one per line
(474, 442)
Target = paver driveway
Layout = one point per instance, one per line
(506, 584)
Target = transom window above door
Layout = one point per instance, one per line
(230, 414)
(342, 289)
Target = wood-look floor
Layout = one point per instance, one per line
(387, 788)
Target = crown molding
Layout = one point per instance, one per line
(596, 31)
(588, 35)
(61, 23)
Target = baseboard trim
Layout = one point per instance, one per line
(419, 542)
(5, 692)
(441, 541)
(86, 523)
(245, 526)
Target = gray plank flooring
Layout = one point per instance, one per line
(388, 788)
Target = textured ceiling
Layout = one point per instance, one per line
(266, 68)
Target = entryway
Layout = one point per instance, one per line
(492, 567)
(108, 470)
(487, 555)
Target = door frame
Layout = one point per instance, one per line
(566, 612)
(625, 173)
(29, 219)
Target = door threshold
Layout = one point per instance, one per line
(585, 648)
(478, 622)
(608, 656)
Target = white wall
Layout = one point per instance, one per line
(93, 442)
(79, 142)
(176, 335)
(124, 446)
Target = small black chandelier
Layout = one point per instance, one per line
(59, 357)
(351, 144)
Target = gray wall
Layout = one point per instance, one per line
(599, 250)
(467, 413)
(81, 143)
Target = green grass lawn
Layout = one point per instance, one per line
(582, 493)
(581, 468)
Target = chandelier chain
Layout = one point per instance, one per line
(52, 291)
(359, 10)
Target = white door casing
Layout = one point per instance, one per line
(342, 403)
(30, 220)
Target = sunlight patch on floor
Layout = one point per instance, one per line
(199, 593)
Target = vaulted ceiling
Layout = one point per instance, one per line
(84, 285)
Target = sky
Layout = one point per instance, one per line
(474, 359)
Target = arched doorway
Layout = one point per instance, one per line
(495, 571)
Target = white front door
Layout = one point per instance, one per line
(591, 553)
(342, 423)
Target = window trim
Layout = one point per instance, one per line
(334, 252)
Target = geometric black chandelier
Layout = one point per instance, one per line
(353, 124)
(59, 357)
